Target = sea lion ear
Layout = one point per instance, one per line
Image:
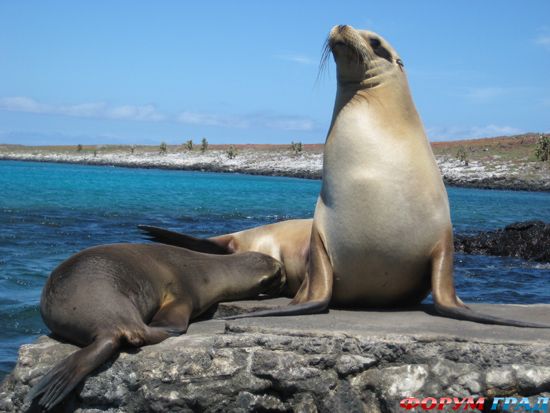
(218, 245)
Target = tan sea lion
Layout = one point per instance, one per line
(382, 233)
(109, 296)
(286, 241)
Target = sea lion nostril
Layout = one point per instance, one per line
(342, 27)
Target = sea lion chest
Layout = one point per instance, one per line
(381, 211)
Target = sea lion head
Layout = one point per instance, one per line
(362, 57)
(268, 275)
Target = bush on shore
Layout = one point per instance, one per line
(462, 155)
(231, 152)
(296, 147)
(542, 150)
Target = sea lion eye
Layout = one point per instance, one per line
(375, 43)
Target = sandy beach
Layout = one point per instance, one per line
(498, 163)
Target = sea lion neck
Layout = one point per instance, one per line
(390, 91)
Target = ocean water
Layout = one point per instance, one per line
(50, 211)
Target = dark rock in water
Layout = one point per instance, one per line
(529, 240)
(342, 361)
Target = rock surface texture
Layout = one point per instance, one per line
(529, 240)
(343, 361)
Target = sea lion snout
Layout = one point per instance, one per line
(339, 35)
(341, 27)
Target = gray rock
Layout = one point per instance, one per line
(343, 361)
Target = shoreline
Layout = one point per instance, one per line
(268, 163)
(307, 171)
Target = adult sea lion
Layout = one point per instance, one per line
(286, 241)
(382, 233)
(137, 294)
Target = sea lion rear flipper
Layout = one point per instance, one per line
(64, 377)
(216, 245)
(444, 295)
(315, 293)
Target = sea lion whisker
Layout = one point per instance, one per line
(323, 63)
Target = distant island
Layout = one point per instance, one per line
(512, 162)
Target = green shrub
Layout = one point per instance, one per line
(296, 147)
(542, 150)
(189, 145)
(79, 148)
(163, 148)
(231, 152)
(204, 145)
(462, 155)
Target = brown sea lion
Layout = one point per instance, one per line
(109, 296)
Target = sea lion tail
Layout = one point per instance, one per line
(218, 245)
(465, 313)
(66, 375)
(310, 307)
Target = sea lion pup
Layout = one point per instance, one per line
(382, 233)
(137, 294)
(286, 241)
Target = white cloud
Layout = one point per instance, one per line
(494, 130)
(145, 113)
(82, 110)
(270, 121)
(296, 58)
(471, 132)
(543, 40)
(149, 113)
(210, 119)
(485, 94)
(290, 123)
(23, 104)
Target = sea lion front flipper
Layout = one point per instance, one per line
(317, 284)
(173, 318)
(64, 377)
(315, 293)
(216, 245)
(444, 295)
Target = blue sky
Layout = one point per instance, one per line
(142, 72)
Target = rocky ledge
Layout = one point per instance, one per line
(529, 240)
(343, 361)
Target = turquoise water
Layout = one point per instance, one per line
(50, 211)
